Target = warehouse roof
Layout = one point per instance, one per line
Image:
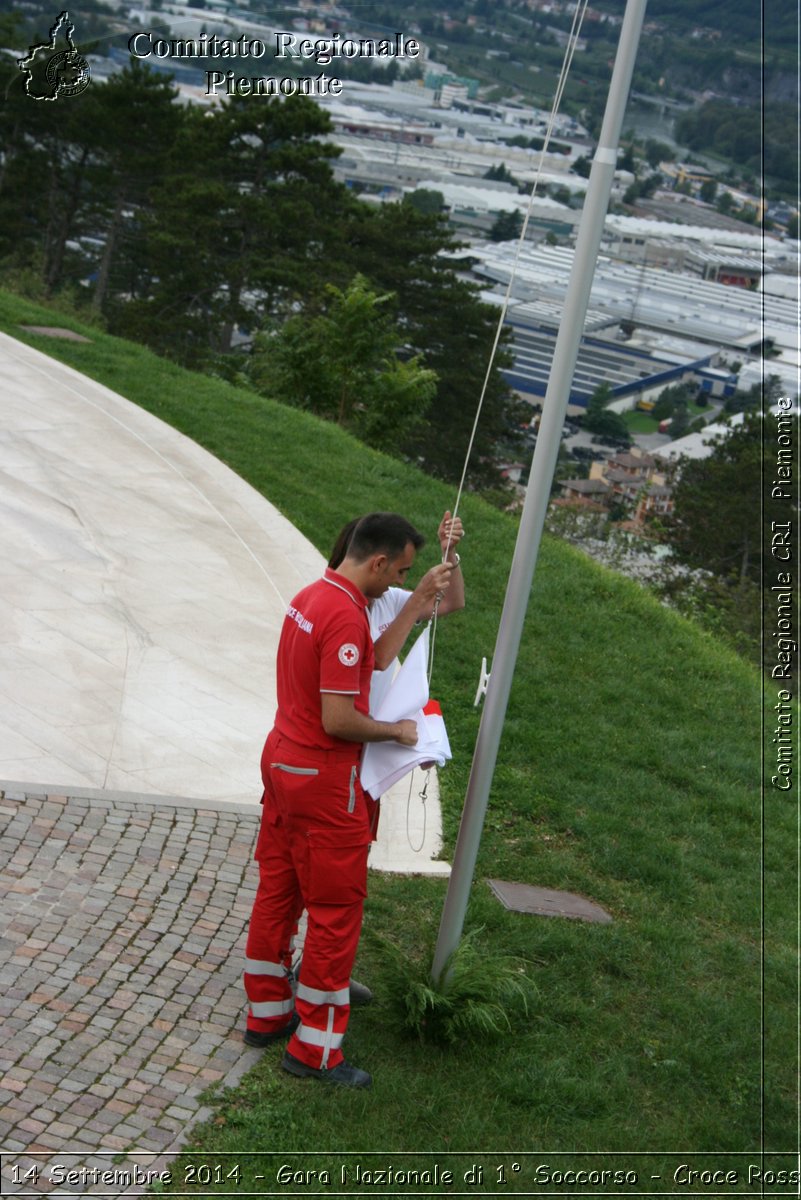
(707, 312)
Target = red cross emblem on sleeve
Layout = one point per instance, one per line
(348, 654)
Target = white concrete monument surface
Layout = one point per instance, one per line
(144, 590)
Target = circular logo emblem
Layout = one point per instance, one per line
(348, 655)
(68, 72)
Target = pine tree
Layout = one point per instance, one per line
(134, 129)
(236, 225)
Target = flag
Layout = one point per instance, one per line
(384, 763)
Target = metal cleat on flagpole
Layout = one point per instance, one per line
(482, 683)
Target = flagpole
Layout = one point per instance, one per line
(543, 467)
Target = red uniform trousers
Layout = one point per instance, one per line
(312, 853)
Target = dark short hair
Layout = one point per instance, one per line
(381, 533)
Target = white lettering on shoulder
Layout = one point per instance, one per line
(302, 622)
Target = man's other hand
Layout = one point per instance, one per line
(407, 733)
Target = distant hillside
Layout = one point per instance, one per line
(716, 45)
(747, 50)
(736, 20)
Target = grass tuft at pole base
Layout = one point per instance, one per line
(480, 994)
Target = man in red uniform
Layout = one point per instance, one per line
(317, 823)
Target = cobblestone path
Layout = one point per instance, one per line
(121, 947)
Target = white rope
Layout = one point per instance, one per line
(570, 49)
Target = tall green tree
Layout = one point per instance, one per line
(344, 365)
(506, 226)
(426, 200)
(442, 316)
(669, 397)
(601, 420)
(681, 419)
(237, 225)
(716, 520)
(721, 530)
(709, 190)
(657, 152)
(135, 125)
(83, 170)
(43, 178)
(279, 166)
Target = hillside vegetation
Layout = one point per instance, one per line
(628, 772)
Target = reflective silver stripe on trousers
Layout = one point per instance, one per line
(254, 967)
(314, 996)
(294, 770)
(328, 1035)
(272, 1008)
(321, 1037)
(352, 796)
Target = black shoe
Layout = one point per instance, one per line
(343, 1074)
(360, 994)
(253, 1038)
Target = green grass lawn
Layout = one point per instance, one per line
(629, 771)
(642, 422)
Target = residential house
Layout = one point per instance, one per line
(631, 477)
(588, 493)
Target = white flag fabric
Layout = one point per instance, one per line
(380, 685)
(384, 763)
